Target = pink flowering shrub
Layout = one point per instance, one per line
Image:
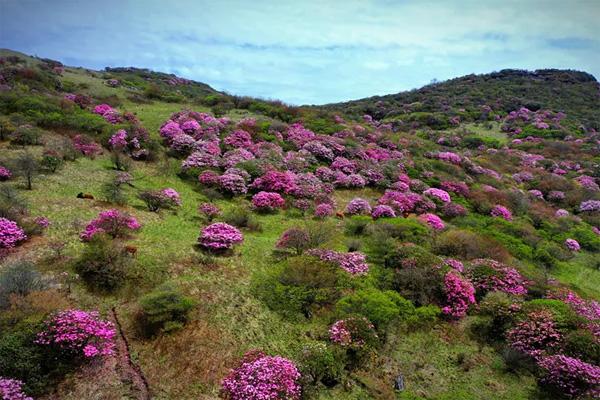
(455, 264)
(502, 212)
(571, 376)
(590, 206)
(5, 173)
(536, 335)
(358, 206)
(354, 263)
(459, 188)
(10, 234)
(232, 183)
(460, 294)
(86, 146)
(262, 377)
(239, 138)
(172, 195)
(354, 332)
(267, 201)
(433, 221)
(12, 389)
(383, 211)
(112, 222)
(492, 276)
(324, 210)
(42, 222)
(118, 140)
(79, 333)
(449, 156)
(275, 181)
(572, 245)
(209, 210)
(588, 309)
(400, 202)
(438, 194)
(219, 236)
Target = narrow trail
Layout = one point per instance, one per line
(130, 373)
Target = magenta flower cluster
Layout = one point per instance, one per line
(219, 236)
(501, 212)
(12, 389)
(324, 210)
(347, 332)
(173, 195)
(209, 210)
(80, 333)
(433, 221)
(492, 276)
(112, 222)
(438, 194)
(460, 294)
(10, 233)
(571, 376)
(263, 378)
(536, 335)
(5, 173)
(355, 263)
(590, 206)
(383, 211)
(572, 244)
(267, 201)
(358, 206)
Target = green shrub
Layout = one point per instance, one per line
(357, 225)
(586, 237)
(379, 307)
(164, 309)
(319, 363)
(242, 218)
(497, 316)
(300, 286)
(584, 345)
(103, 264)
(562, 314)
(20, 279)
(468, 245)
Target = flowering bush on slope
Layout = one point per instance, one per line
(220, 236)
(11, 389)
(358, 206)
(383, 211)
(492, 276)
(209, 210)
(433, 221)
(172, 195)
(536, 335)
(79, 333)
(438, 194)
(113, 222)
(460, 294)
(324, 210)
(572, 245)
(262, 377)
(571, 376)
(502, 212)
(10, 233)
(352, 332)
(5, 173)
(267, 201)
(354, 263)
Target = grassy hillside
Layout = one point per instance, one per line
(262, 296)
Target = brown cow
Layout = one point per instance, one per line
(339, 215)
(87, 196)
(131, 250)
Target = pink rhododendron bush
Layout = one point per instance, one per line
(492, 276)
(262, 377)
(355, 333)
(114, 223)
(11, 389)
(219, 236)
(79, 333)
(460, 295)
(10, 234)
(571, 376)
(354, 263)
(267, 201)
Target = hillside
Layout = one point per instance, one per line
(575, 93)
(442, 243)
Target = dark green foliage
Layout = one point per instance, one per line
(357, 225)
(20, 279)
(103, 264)
(320, 364)
(379, 307)
(242, 218)
(300, 286)
(495, 316)
(582, 344)
(164, 309)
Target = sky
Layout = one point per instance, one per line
(309, 51)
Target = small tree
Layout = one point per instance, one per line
(27, 166)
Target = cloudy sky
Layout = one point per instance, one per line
(309, 51)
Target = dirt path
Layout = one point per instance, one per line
(130, 373)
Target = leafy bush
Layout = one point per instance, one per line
(242, 218)
(468, 245)
(164, 309)
(20, 278)
(379, 307)
(319, 363)
(357, 225)
(103, 264)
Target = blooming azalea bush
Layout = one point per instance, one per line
(173, 195)
(383, 211)
(112, 222)
(354, 263)
(570, 377)
(267, 201)
(501, 212)
(10, 234)
(78, 334)
(489, 276)
(536, 335)
(460, 295)
(209, 210)
(324, 210)
(12, 389)
(5, 173)
(219, 236)
(432, 221)
(353, 332)
(572, 244)
(438, 194)
(358, 206)
(262, 377)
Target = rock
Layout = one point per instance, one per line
(399, 383)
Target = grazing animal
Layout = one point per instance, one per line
(132, 250)
(339, 215)
(87, 196)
